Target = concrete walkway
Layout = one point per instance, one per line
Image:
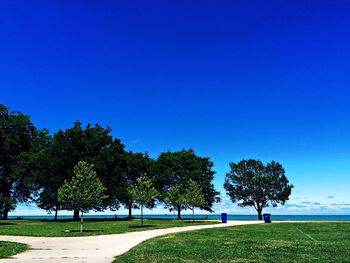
(92, 249)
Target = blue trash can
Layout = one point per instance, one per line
(224, 217)
(267, 218)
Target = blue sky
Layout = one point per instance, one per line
(231, 79)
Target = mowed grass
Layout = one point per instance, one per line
(276, 242)
(91, 227)
(7, 249)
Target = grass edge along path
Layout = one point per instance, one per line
(45, 228)
(320, 242)
(94, 249)
(8, 249)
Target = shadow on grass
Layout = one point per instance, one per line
(85, 220)
(191, 222)
(144, 226)
(86, 231)
(7, 224)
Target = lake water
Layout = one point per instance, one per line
(213, 216)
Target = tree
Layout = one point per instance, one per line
(143, 193)
(194, 196)
(83, 192)
(177, 168)
(17, 136)
(173, 198)
(137, 165)
(39, 166)
(251, 183)
(92, 144)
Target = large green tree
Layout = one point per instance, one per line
(83, 192)
(39, 166)
(251, 183)
(137, 165)
(18, 135)
(93, 144)
(143, 192)
(178, 168)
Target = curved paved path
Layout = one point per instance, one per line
(92, 249)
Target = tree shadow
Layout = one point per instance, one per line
(85, 220)
(86, 231)
(7, 224)
(144, 226)
(191, 222)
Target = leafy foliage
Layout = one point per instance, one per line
(178, 168)
(143, 192)
(34, 165)
(194, 196)
(174, 198)
(137, 165)
(17, 136)
(84, 191)
(93, 144)
(251, 183)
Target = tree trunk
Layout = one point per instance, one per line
(178, 213)
(260, 214)
(56, 213)
(5, 214)
(81, 222)
(130, 211)
(76, 215)
(193, 214)
(141, 215)
(6, 192)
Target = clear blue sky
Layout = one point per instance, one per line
(230, 79)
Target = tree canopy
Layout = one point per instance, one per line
(137, 165)
(35, 164)
(194, 196)
(174, 198)
(143, 192)
(178, 168)
(17, 136)
(92, 144)
(251, 183)
(84, 191)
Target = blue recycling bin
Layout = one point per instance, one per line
(224, 217)
(267, 218)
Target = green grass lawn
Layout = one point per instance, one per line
(280, 243)
(7, 249)
(91, 227)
